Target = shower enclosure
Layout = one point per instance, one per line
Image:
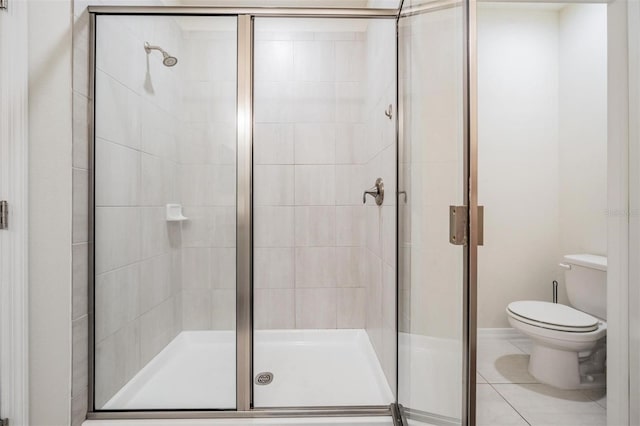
(270, 198)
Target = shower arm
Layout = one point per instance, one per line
(148, 48)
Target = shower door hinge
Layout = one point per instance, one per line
(3, 5)
(459, 227)
(4, 220)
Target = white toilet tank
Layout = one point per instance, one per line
(586, 282)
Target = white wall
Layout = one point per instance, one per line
(542, 148)
(583, 129)
(518, 157)
(50, 211)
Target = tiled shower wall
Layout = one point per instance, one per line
(322, 259)
(80, 240)
(207, 175)
(138, 307)
(380, 153)
(309, 226)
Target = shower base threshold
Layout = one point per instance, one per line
(196, 370)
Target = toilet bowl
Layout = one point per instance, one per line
(569, 342)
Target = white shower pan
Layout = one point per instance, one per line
(310, 368)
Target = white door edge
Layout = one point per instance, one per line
(14, 337)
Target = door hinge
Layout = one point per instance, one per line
(3, 5)
(4, 218)
(458, 225)
(4, 422)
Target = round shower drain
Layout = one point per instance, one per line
(264, 378)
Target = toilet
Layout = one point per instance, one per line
(569, 342)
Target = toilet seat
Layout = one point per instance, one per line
(553, 316)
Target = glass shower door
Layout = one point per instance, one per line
(164, 213)
(324, 261)
(433, 175)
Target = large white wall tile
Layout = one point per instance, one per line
(273, 226)
(273, 185)
(155, 281)
(121, 55)
(315, 185)
(316, 308)
(351, 143)
(350, 102)
(117, 361)
(196, 309)
(223, 230)
(117, 300)
(315, 143)
(195, 183)
(117, 174)
(315, 267)
(315, 226)
(351, 266)
(118, 237)
(196, 267)
(273, 267)
(273, 143)
(156, 233)
(350, 60)
(351, 226)
(223, 181)
(209, 59)
(314, 61)
(313, 102)
(157, 328)
(266, 317)
(158, 131)
(351, 182)
(273, 60)
(223, 268)
(118, 109)
(158, 185)
(273, 102)
(223, 309)
(351, 307)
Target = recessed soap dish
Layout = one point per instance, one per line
(174, 213)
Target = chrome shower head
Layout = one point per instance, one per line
(167, 61)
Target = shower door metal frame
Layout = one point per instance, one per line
(470, 198)
(244, 220)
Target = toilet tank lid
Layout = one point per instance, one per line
(587, 260)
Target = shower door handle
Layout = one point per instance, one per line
(376, 191)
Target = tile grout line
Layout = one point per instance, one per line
(510, 405)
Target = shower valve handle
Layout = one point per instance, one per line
(376, 191)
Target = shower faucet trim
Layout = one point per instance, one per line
(376, 191)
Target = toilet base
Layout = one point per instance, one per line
(565, 370)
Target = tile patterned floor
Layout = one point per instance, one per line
(508, 395)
